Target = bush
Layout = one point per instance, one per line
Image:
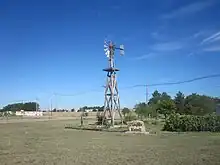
(130, 117)
(184, 123)
(101, 118)
(154, 122)
(7, 114)
(85, 114)
(119, 122)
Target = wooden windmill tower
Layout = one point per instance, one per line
(112, 101)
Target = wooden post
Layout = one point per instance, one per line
(81, 119)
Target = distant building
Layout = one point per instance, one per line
(28, 113)
(88, 110)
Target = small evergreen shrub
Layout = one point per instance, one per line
(184, 123)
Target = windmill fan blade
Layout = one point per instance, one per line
(105, 49)
(105, 43)
(107, 53)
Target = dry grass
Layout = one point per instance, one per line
(48, 143)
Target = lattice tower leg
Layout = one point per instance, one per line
(112, 102)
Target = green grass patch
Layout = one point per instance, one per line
(49, 143)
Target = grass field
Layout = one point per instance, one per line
(48, 143)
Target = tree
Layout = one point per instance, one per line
(180, 102)
(153, 110)
(125, 111)
(166, 107)
(199, 104)
(142, 110)
(29, 106)
(101, 108)
(165, 96)
(72, 110)
(154, 102)
(217, 100)
(156, 96)
(217, 109)
(81, 110)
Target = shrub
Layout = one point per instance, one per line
(7, 114)
(130, 116)
(101, 118)
(184, 123)
(154, 122)
(119, 122)
(85, 114)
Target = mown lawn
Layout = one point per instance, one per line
(48, 143)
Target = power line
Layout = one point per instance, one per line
(174, 83)
(144, 85)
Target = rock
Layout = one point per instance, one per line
(136, 126)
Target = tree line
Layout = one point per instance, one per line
(159, 104)
(182, 113)
(81, 109)
(33, 106)
(163, 104)
(29, 106)
(93, 108)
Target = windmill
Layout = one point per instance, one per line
(112, 101)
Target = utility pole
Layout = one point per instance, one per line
(50, 103)
(36, 108)
(146, 95)
(112, 101)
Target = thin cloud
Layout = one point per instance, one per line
(201, 34)
(213, 49)
(145, 56)
(186, 10)
(155, 35)
(158, 36)
(216, 39)
(212, 38)
(168, 46)
(191, 54)
(198, 34)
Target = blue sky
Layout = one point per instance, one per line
(57, 47)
